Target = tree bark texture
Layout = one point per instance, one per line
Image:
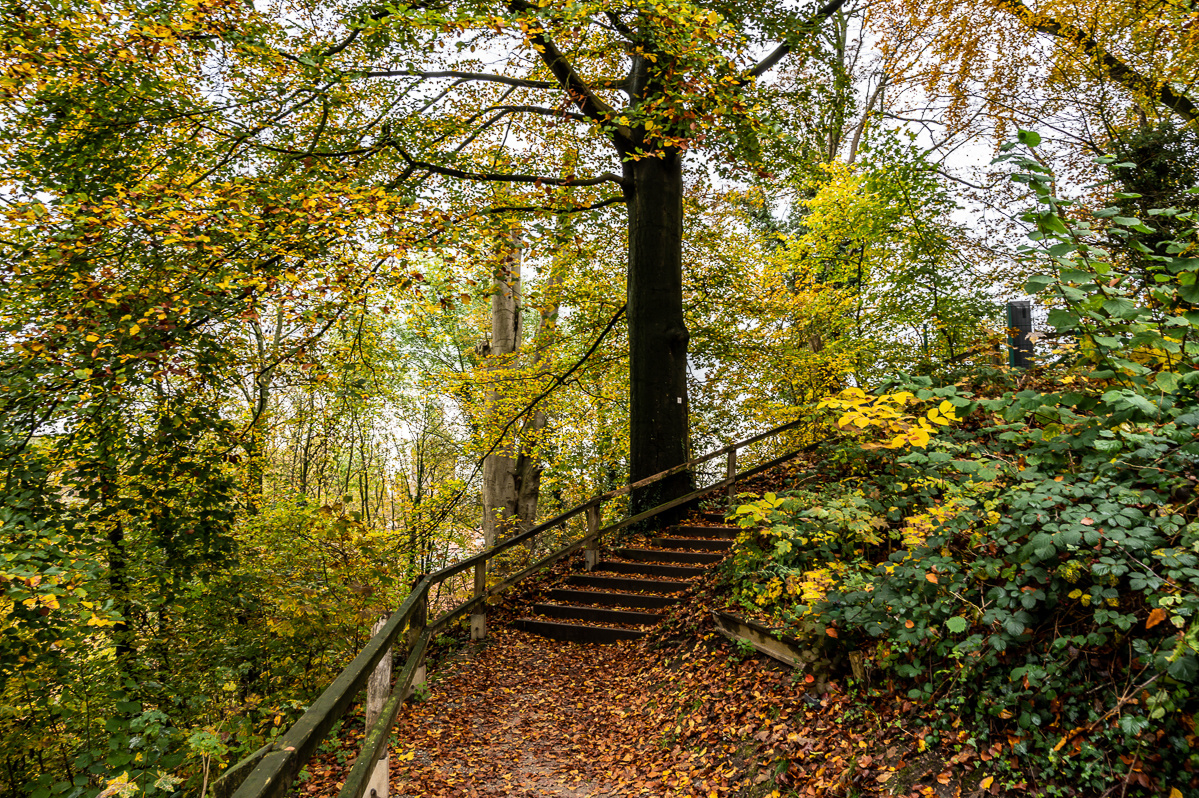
(658, 429)
(499, 468)
(530, 461)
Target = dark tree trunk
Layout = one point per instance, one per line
(658, 428)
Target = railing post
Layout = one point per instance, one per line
(478, 618)
(731, 474)
(378, 690)
(416, 627)
(592, 549)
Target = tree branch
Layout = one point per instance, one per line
(586, 100)
(768, 63)
(461, 76)
(619, 198)
(447, 171)
(1117, 70)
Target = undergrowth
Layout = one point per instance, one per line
(1019, 551)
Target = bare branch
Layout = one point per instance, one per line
(768, 63)
(619, 198)
(536, 109)
(447, 171)
(462, 77)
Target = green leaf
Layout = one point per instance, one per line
(1028, 137)
(956, 625)
(1190, 293)
(1063, 319)
(1118, 306)
(1037, 282)
(1168, 381)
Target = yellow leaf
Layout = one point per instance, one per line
(989, 780)
(1175, 792)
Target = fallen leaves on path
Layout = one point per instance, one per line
(678, 713)
(518, 715)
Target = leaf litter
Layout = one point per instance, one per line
(678, 713)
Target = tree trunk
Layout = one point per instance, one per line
(499, 467)
(260, 399)
(529, 462)
(658, 428)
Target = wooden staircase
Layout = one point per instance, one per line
(625, 595)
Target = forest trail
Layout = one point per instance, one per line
(518, 715)
(529, 711)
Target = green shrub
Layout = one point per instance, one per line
(1032, 567)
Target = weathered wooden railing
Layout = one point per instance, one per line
(271, 770)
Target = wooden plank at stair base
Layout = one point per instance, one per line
(570, 612)
(612, 599)
(693, 543)
(669, 556)
(649, 569)
(629, 585)
(577, 633)
(692, 531)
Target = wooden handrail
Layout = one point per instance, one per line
(270, 771)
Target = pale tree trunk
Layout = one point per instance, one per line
(499, 467)
(259, 398)
(529, 462)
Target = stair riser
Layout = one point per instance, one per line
(680, 557)
(578, 634)
(650, 569)
(693, 543)
(612, 599)
(595, 614)
(629, 585)
(704, 532)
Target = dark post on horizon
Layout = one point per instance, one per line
(1019, 328)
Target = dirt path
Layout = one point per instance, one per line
(515, 716)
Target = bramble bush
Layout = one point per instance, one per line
(1021, 550)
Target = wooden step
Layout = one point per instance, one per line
(571, 612)
(694, 531)
(712, 516)
(612, 599)
(693, 543)
(629, 585)
(578, 633)
(667, 555)
(649, 569)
